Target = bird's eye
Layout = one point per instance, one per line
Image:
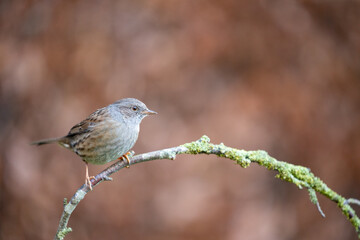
(134, 108)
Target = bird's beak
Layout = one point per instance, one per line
(149, 112)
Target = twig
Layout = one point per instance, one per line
(353, 201)
(299, 175)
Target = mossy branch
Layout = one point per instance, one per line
(299, 175)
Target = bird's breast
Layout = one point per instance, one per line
(107, 141)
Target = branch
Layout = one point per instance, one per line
(299, 175)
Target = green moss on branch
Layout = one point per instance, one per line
(298, 175)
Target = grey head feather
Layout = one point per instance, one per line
(129, 110)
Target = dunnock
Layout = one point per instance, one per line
(107, 134)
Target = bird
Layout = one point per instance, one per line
(105, 135)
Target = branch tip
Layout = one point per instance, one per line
(314, 200)
(106, 178)
(61, 234)
(352, 201)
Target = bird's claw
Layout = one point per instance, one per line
(88, 181)
(126, 157)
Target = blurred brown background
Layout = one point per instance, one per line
(282, 76)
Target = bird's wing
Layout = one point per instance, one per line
(88, 124)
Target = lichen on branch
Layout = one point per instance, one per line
(301, 176)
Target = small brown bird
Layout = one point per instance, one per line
(106, 135)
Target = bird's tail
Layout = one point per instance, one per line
(46, 141)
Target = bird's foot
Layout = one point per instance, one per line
(87, 178)
(126, 157)
(88, 181)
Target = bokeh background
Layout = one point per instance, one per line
(277, 75)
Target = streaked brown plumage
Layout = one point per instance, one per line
(107, 134)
